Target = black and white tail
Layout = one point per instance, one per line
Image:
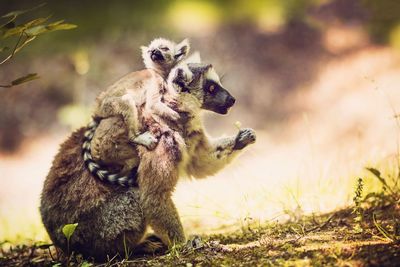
(98, 171)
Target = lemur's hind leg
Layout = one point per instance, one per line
(158, 175)
(126, 107)
(163, 217)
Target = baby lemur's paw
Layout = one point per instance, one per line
(244, 138)
(146, 139)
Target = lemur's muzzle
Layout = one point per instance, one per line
(230, 101)
(156, 55)
(219, 102)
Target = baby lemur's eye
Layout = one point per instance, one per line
(165, 49)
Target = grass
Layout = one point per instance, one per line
(321, 240)
(364, 234)
(282, 223)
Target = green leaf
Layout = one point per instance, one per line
(374, 172)
(69, 229)
(11, 16)
(380, 178)
(86, 264)
(56, 23)
(13, 31)
(36, 22)
(24, 79)
(15, 13)
(36, 30)
(64, 26)
(40, 29)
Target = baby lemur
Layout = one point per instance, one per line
(143, 90)
(137, 96)
(113, 219)
(104, 148)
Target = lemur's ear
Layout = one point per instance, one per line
(207, 67)
(194, 58)
(182, 50)
(180, 77)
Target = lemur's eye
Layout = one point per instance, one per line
(211, 88)
(165, 49)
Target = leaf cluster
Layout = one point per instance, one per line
(21, 34)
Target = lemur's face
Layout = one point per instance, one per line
(164, 54)
(161, 51)
(207, 88)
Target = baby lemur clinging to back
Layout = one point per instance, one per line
(137, 97)
(144, 90)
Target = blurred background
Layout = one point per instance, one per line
(317, 79)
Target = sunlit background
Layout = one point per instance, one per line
(317, 79)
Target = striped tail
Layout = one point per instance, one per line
(99, 172)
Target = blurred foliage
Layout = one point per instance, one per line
(16, 35)
(384, 19)
(113, 20)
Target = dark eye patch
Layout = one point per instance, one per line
(211, 86)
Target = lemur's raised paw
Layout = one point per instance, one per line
(244, 138)
(146, 139)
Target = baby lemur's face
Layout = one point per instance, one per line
(163, 54)
(205, 89)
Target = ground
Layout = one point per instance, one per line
(367, 235)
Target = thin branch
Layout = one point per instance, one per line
(14, 50)
(18, 48)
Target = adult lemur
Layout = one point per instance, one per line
(113, 218)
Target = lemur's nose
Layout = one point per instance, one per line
(156, 55)
(231, 101)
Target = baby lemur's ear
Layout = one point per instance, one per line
(182, 50)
